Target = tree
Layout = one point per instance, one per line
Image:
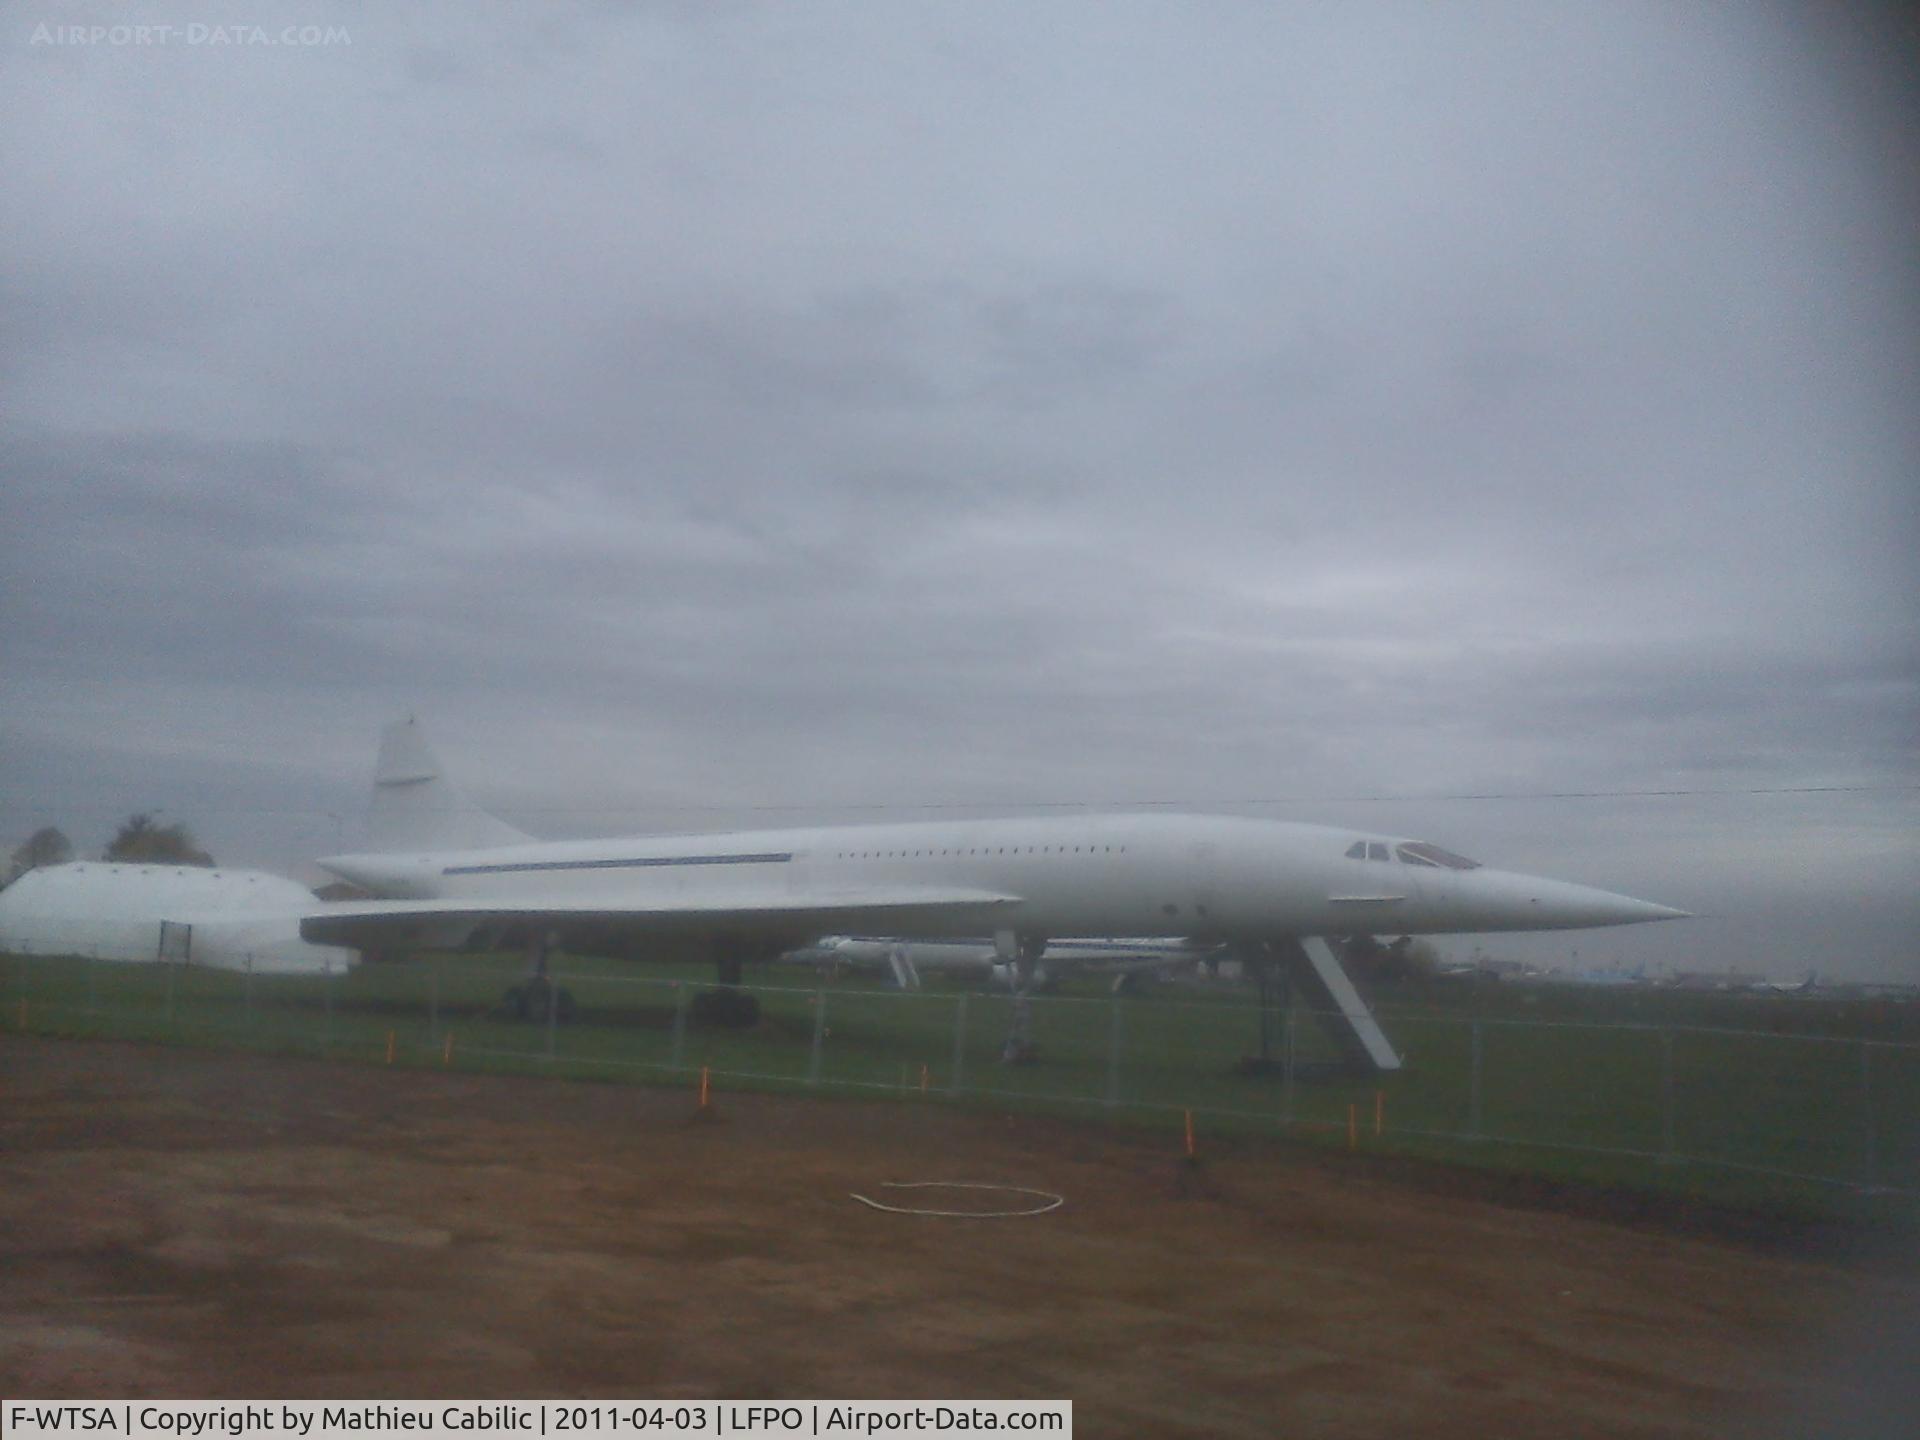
(141, 842)
(46, 846)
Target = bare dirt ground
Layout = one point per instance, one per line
(194, 1224)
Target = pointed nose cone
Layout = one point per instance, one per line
(1504, 900)
(1625, 910)
(1560, 906)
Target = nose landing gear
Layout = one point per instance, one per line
(1021, 953)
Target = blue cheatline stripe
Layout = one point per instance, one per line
(643, 862)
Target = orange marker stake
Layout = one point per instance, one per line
(1189, 1115)
(389, 1047)
(23, 1014)
(446, 1051)
(923, 1079)
(1379, 1110)
(1353, 1132)
(703, 1087)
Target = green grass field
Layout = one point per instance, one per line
(1787, 1105)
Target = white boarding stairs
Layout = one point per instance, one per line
(1314, 968)
(900, 959)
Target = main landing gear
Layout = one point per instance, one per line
(727, 1007)
(538, 997)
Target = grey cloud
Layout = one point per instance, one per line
(700, 409)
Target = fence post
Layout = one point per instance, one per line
(171, 967)
(1866, 1114)
(326, 999)
(246, 991)
(433, 998)
(1667, 1149)
(1113, 1053)
(1473, 1094)
(93, 999)
(819, 1034)
(1286, 1062)
(959, 1045)
(553, 1008)
(677, 1059)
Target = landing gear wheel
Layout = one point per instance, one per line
(531, 1001)
(726, 1009)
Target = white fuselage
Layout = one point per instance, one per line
(1134, 875)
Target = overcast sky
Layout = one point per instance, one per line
(699, 413)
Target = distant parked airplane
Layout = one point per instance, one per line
(1271, 888)
(1603, 978)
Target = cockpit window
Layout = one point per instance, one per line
(1357, 850)
(1367, 850)
(1376, 850)
(1419, 852)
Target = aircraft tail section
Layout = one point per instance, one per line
(415, 805)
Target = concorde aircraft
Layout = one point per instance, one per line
(451, 874)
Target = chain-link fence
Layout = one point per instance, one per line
(1838, 1110)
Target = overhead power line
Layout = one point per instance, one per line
(1158, 804)
(1140, 803)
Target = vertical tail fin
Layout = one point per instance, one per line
(415, 805)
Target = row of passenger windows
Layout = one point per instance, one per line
(1414, 852)
(983, 850)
